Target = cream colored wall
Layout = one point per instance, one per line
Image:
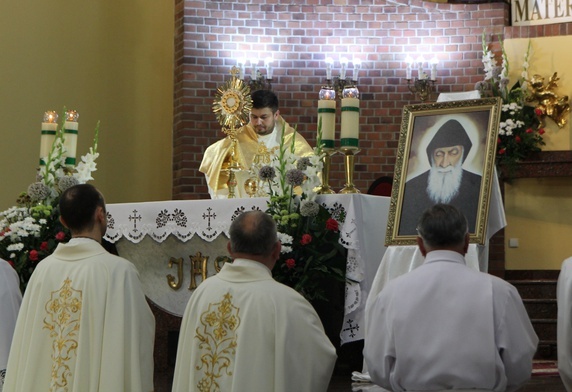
(111, 60)
(539, 211)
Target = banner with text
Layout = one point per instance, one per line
(540, 12)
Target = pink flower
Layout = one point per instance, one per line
(61, 236)
(290, 263)
(541, 131)
(306, 239)
(332, 224)
(44, 246)
(33, 255)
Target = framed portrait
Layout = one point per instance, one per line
(446, 154)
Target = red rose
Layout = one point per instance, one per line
(499, 141)
(61, 236)
(44, 246)
(332, 224)
(517, 139)
(541, 131)
(34, 255)
(538, 112)
(529, 130)
(502, 151)
(306, 239)
(290, 263)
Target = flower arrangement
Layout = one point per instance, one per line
(31, 230)
(312, 256)
(519, 130)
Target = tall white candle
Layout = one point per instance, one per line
(434, 62)
(70, 137)
(357, 67)
(329, 62)
(49, 129)
(344, 64)
(349, 135)
(241, 62)
(268, 63)
(327, 117)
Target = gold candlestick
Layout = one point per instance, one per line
(349, 165)
(325, 189)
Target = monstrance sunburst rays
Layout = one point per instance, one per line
(232, 103)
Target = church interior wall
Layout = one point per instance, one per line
(112, 61)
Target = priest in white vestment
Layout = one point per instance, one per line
(564, 326)
(243, 331)
(10, 300)
(445, 326)
(261, 137)
(84, 324)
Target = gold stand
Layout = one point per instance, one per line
(232, 166)
(325, 189)
(349, 163)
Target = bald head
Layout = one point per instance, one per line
(253, 233)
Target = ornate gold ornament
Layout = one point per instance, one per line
(549, 103)
(232, 103)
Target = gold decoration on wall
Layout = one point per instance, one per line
(217, 341)
(176, 283)
(198, 267)
(549, 103)
(63, 322)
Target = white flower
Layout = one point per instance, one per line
(285, 238)
(15, 247)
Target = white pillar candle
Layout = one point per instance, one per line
(327, 117)
(70, 137)
(357, 67)
(349, 135)
(434, 62)
(329, 62)
(268, 64)
(408, 67)
(344, 64)
(49, 129)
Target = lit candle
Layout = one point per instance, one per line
(420, 73)
(349, 135)
(254, 68)
(327, 116)
(241, 62)
(357, 67)
(49, 129)
(434, 63)
(409, 66)
(268, 63)
(70, 135)
(329, 62)
(344, 63)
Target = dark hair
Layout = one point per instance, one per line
(442, 226)
(253, 232)
(264, 99)
(78, 204)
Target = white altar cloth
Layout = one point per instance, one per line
(362, 233)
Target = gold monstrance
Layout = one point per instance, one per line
(232, 107)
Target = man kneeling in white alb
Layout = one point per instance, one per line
(445, 326)
(242, 331)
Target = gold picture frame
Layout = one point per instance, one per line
(430, 136)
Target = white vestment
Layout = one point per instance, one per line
(564, 328)
(10, 300)
(243, 331)
(446, 326)
(84, 325)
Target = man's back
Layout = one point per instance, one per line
(446, 326)
(84, 325)
(243, 331)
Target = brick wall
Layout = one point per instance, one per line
(210, 36)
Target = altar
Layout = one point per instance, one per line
(175, 245)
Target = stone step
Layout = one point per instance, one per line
(535, 289)
(541, 308)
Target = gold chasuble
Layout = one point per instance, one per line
(246, 149)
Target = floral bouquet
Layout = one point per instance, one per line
(312, 256)
(519, 132)
(31, 230)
